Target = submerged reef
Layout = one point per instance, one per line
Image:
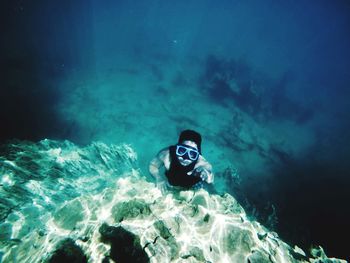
(64, 203)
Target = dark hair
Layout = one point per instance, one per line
(190, 135)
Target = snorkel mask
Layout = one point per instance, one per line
(187, 152)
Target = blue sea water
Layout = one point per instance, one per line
(266, 83)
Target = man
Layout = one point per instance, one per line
(184, 165)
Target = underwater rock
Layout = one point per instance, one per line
(69, 215)
(168, 237)
(125, 246)
(196, 253)
(130, 209)
(96, 206)
(68, 252)
(238, 240)
(5, 231)
(258, 256)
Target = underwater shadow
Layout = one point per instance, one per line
(234, 82)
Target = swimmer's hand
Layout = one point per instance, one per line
(200, 172)
(162, 186)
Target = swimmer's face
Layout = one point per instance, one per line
(182, 159)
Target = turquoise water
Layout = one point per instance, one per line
(266, 84)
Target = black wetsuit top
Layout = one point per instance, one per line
(177, 173)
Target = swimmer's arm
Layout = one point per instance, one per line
(204, 164)
(161, 160)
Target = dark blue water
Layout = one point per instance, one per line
(273, 62)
